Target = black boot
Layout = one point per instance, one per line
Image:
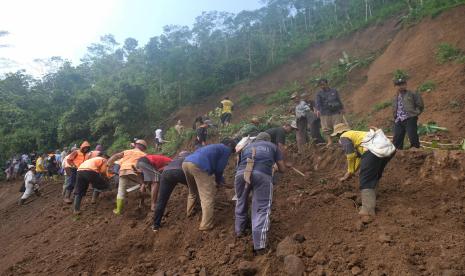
(77, 204)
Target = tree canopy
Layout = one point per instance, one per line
(122, 90)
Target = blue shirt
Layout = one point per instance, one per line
(266, 155)
(211, 159)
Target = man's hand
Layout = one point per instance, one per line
(346, 176)
(142, 188)
(317, 113)
(288, 164)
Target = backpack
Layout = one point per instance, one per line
(378, 144)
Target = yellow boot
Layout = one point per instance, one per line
(119, 206)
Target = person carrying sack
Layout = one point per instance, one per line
(356, 145)
(254, 174)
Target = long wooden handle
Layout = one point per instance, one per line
(297, 171)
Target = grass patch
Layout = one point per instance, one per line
(174, 141)
(427, 86)
(283, 95)
(381, 106)
(246, 101)
(400, 74)
(446, 52)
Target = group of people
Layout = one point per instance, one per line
(259, 156)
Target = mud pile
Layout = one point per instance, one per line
(419, 228)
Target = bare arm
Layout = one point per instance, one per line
(114, 157)
(281, 166)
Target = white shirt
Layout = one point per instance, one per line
(30, 178)
(158, 134)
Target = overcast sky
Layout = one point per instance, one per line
(39, 29)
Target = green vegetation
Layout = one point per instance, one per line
(121, 85)
(245, 101)
(283, 95)
(381, 106)
(400, 74)
(430, 127)
(427, 86)
(174, 141)
(446, 53)
(422, 8)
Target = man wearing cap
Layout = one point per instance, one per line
(329, 108)
(30, 183)
(254, 174)
(172, 175)
(73, 161)
(93, 171)
(127, 174)
(250, 129)
(151, 165)
(301, 114)
(407, 106)
(278, 137)
(204, 171)
(371, 166)
(96, 152)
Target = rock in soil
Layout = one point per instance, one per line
(293, 265)
(287, 247)
(246, 268)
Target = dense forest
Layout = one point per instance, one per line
(121, 89)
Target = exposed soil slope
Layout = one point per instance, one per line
(419, 228)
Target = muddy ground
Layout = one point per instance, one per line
(418, 230)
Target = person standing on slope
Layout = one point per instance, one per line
(371, 166)
(254, 174)
(172, 175)
(199, 167)
(302, 111)
(127, 174)
(407, 106)
(227, 107)
(74, 160)
(158, 139)
(151, 165)
(329, 108)
(93, 171)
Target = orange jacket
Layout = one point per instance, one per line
(130, 158)
(77, 156)
(96, 164)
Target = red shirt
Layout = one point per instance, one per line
(158, 161)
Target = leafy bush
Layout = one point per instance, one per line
(174, 141)
(427, 86)
(400, 74)
(446, 53)
(283, 95)
(246, 101)
(381, 106)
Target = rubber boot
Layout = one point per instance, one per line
(368, 202)
(95, 195)
(77, 204)
(119, 206)
(67, 198)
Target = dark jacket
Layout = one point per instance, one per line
(328, 102)
(413, 104)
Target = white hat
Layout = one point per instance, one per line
(30, 166)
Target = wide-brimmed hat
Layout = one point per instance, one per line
(255, 120)
(263, 136)
(30, 166)
(294, 124)
(340, 128)
(141, 142)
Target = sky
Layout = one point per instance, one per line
(40, 29)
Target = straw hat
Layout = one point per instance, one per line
(141, 142)
(340, 128)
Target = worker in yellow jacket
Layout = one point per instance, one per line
(371, 166)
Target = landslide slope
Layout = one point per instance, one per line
(419, 229)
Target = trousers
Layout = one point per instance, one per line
(168, 181)
(408, 127)
(371, 170)
(203, 186)
(262, 195)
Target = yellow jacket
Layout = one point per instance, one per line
(351, 141)
(40, 165)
